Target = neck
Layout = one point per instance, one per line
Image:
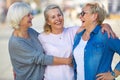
(86, 35)
(58, 31)
(91, 28)
(21, 33)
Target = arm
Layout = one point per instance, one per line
(108, 29)
(117, 73)
(34, 56)
(61, 61)
(114, 45)
(108, 75)
(23, 52)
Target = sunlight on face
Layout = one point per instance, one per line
(55, 19)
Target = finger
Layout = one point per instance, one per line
(109, 33)
(98, 75)
(103, 31)
(113, 34)
(100, 78)
(71, 65)
(71, 56)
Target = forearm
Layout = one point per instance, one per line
(117, 73)
(61, 61)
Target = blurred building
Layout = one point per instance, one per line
(114, 6)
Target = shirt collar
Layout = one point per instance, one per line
(96, 30)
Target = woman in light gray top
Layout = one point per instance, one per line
(26, 53)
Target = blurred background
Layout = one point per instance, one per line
(71, 9)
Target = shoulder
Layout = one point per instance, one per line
(14, 42)
(43, 36)
(72, 28)
(33, 31)
(102, 35)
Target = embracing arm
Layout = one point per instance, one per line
(61, 61)
(23, 53)
(106, 27)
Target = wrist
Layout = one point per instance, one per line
(113, 74)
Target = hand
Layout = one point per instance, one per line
(108, 29)
(105, 76)
(69, 61)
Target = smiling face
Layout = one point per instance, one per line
(55, 20)
(92, 14)
(86, 16)
(26, 21)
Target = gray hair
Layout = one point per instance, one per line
(96, 8)
(16, 12)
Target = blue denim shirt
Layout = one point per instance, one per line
(98, 53)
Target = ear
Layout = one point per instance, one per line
(94, 16)
(48, 22)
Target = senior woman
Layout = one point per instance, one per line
(93, 51)
(58, 41)
(26, 52)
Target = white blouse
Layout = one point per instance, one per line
(59, 45)
(79, 58)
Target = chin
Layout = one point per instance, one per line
(30, 25)
(83, 25)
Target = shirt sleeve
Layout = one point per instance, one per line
(24, 53)
(33, 31)
(114, 45)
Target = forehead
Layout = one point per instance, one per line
(86, 8)
(53, 11)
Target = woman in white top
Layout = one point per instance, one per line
(58, 41)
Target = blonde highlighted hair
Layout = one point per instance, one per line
(96, 8)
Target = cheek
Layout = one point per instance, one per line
(49, 21)
(62, 18)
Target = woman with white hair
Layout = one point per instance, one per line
(26, 53)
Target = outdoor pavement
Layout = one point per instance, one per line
(38, 21)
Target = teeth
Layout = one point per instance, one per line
(58, 22)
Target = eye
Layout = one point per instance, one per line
(28, 14)
(59, 14)
(53, 17)
(82, 13)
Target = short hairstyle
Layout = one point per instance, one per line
(47, 28)
(96, 8)
(16, 12)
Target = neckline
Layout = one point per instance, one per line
(60, 34)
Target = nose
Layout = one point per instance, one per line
(80, 16)
(57, 18)
(31, 16)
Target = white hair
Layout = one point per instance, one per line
(16, 12)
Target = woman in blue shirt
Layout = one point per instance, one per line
(93, 51)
